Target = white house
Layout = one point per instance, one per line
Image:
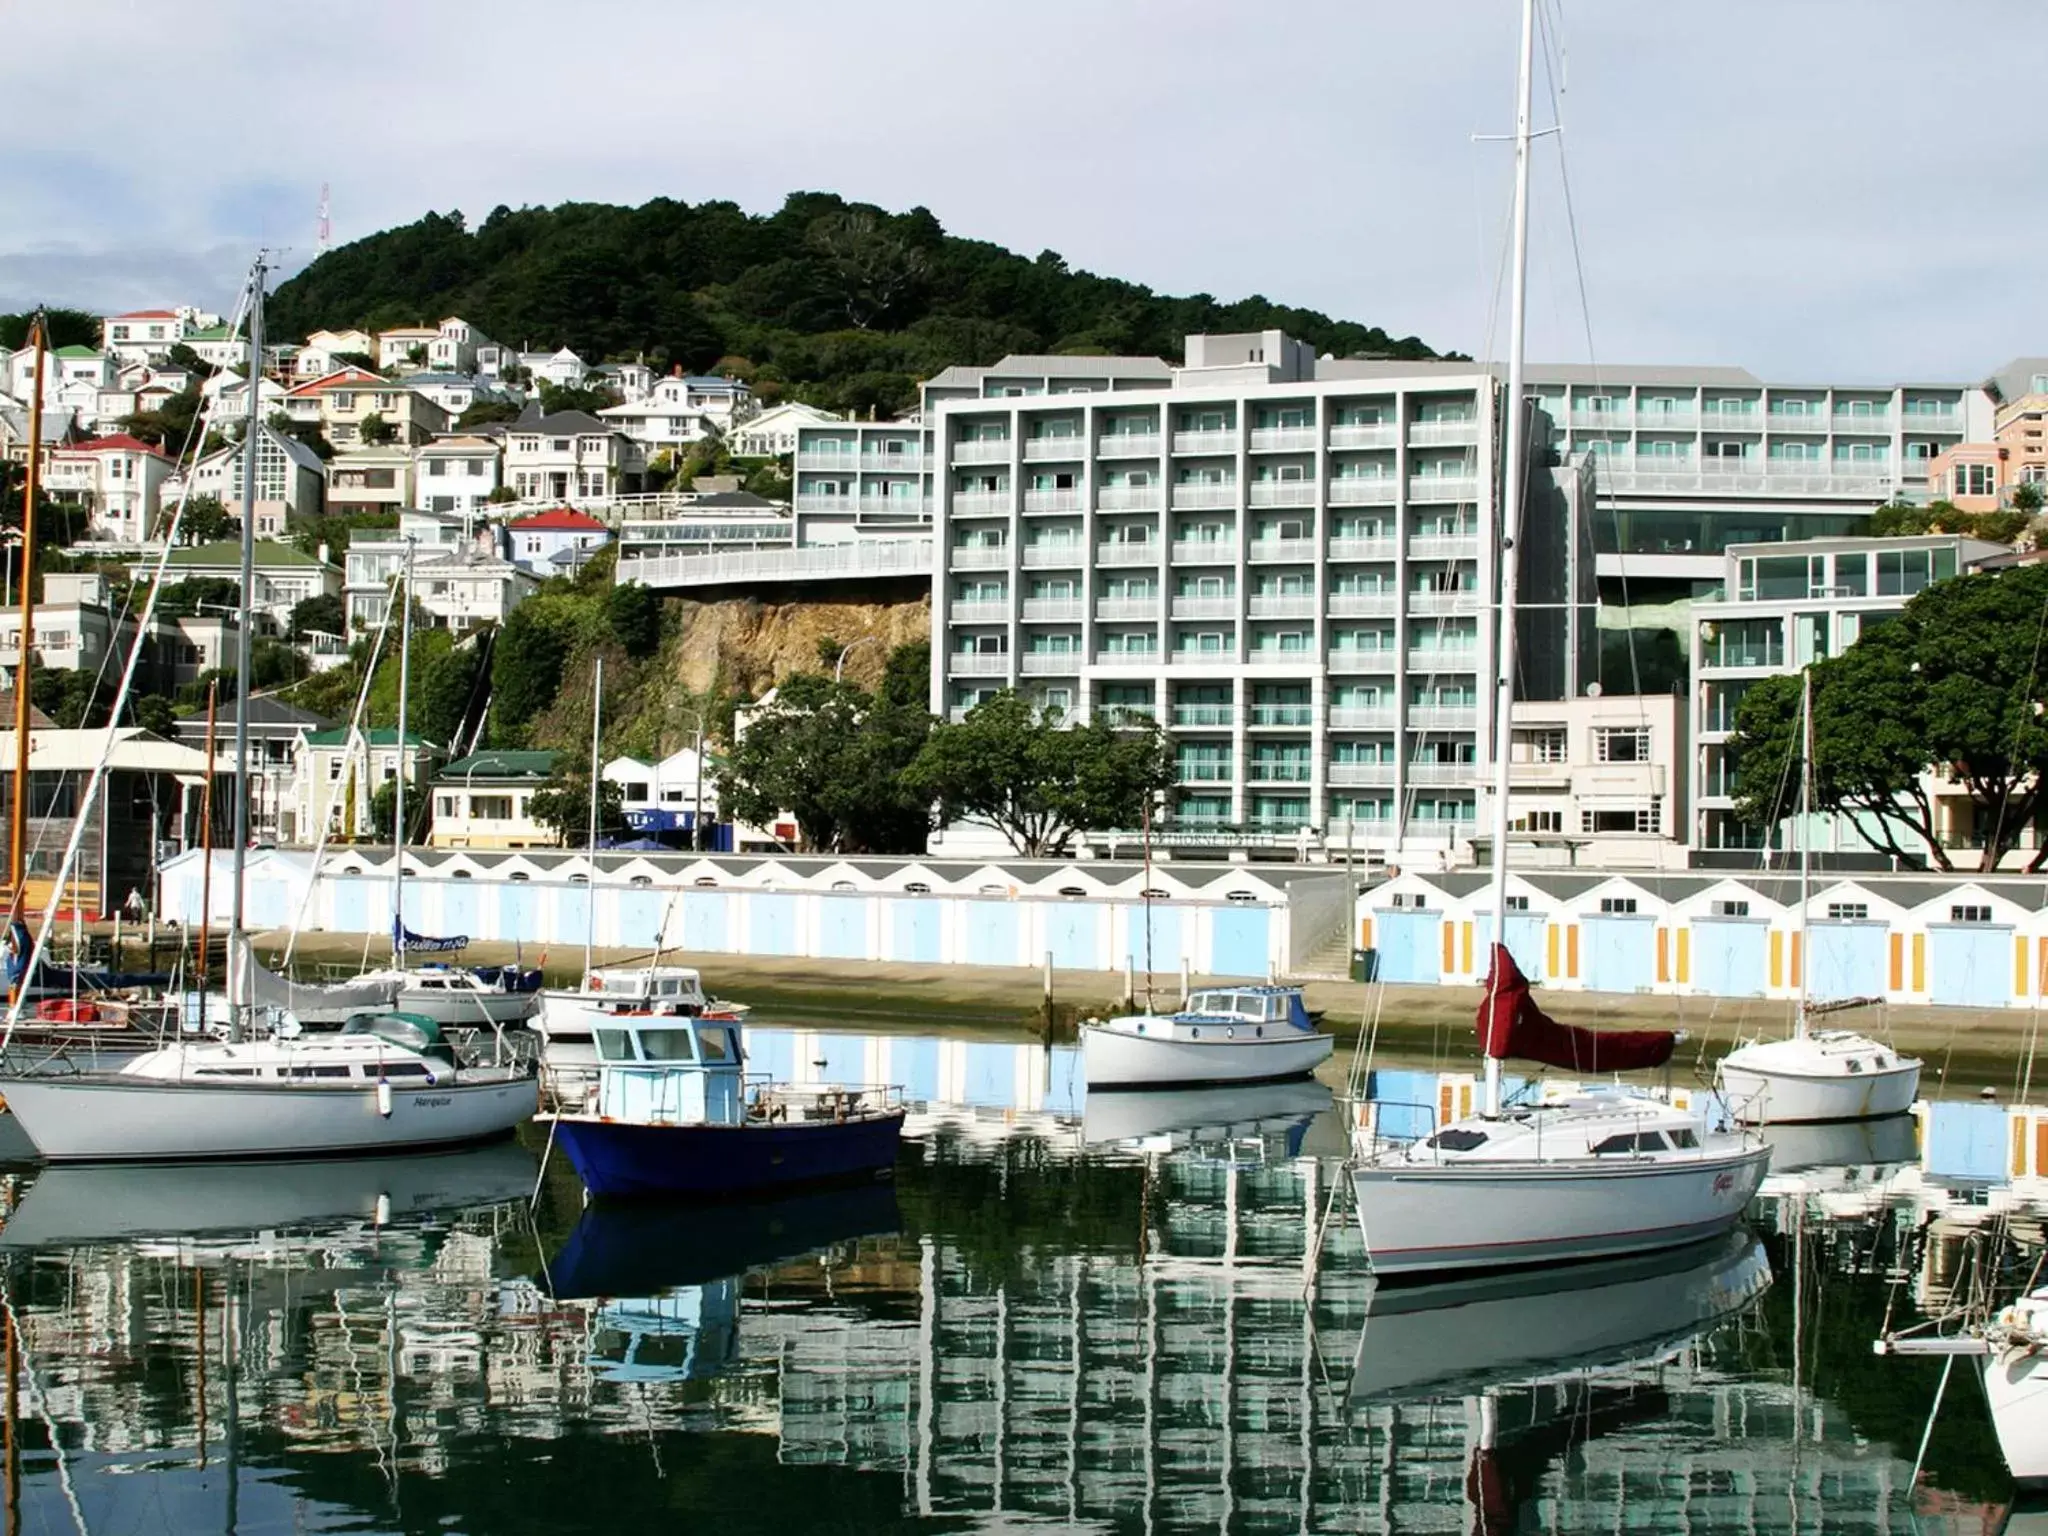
(142, 334)
(461, 583)
(470, 586)
(395, 347)
(455, 348)
(324, 352)
(457, 474)
(484, 801)
(219, 346)
(72, 377)
(457, 392)
(290, 480)
(570, 457)
(74, 624)
(629, 381)
(230, 395)
(679, 411)
(119, 480)
(539, 540)
(772, 433)
(560, 367)
(285, 576)
(666, 796)
(370, 480)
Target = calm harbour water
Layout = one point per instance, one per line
(1066, 1313)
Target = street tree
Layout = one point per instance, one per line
(1020, 769)
(563, 805)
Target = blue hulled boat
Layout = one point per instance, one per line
(673, 1113)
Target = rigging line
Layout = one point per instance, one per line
(42, 1400)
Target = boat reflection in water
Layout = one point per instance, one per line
(1195, 1116)
(99, 1203)
(1843, 1144)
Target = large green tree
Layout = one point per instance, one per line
(526, 668)
(1013, 766)
(563, 805)
(1955, 687)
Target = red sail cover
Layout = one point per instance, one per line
(1510, 1024)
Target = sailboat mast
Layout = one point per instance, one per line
(590, 889)
(1512, 493)
(17, 826)
(398, 791)
(206, 846)
(1802, 961)
(251, 443)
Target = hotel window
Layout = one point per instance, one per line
(1540, 746)
(1639, 819)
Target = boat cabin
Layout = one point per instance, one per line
(669, 1069)
(667, 986)
(1259, 1006)
(373, 1047)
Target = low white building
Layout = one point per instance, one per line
(75, 626)
(679, 411)
(457, 474)
(370, 480)
(285, 576)
(485, 801)
(457, 392)
(118, 480)
(471, 587)
(143, 334)
(538, 541)
(396, 348)
(455, 349)
(628, 381)
(560, 367)
(1597, 781)
(772, 433)
(666, 797)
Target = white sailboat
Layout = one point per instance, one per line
(386, 1082)
(1591, 1176)
(2013, 1346)
(1815, 1075)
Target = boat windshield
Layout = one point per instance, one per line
(414, 1031)
(1244, 1003)
(667, 1045)
(718, 1045)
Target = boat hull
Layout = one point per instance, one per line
(468, 1009)
(2016, 1386)
(1114, 1058)
(1762, 1087)
(112, 1118)
(617, 1160)
(1508, 1214)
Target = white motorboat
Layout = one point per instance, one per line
(1590, 1176)
(386, 1081)
(566, 1018)
(1815, 1075)
(1243, 1034)
(463, 996)
(1464, 1335)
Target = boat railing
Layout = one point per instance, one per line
(768, 1099)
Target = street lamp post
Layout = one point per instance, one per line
(839, 666)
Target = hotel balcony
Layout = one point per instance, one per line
(1205, 608)
(1074, 447)
(1687, 420)
(1224, 441)
(1052, 501)
(1050, 663)
(1452, 658)
(991, 611)
(1600, 421)
(1360, 775)
(1352, 717)
(1284, 606)
(1292, 716)
(983, 451)
(1202, 771)
(1054, 610)
(827, 458)
(1141, 610)
(1283, 493)
(1443, 434)
(1128, 553)
(1204, 552)
(1363, 549)
(1443, 487)
(1443, 602)
(979, 557)
(1130, 498)
(1299, 660)
(1283, 440)
(1443, 546)
(1363, 605)
(1383, 435)
(817, 501)
(1881, 425)
(978, 663)
(1444, 773)
(1128, 445)
(1128, 714)
(911, 463)
(1346, 658)
(1364, 490)
(901, 506)
(1443, 717)
(1281, 551)
(1061, 556)
(1205, 716)
(982, 503)
(1732, 421)
(1278, 773)
(1196, 497)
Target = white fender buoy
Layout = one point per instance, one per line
(384, 1210)
(384, 1097)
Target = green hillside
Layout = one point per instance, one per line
(837, 303)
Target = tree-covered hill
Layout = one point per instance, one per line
(837, 303)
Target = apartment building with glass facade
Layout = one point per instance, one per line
(1787, 606)
(1291, 573)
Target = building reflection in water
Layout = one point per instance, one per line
(1032, 1325)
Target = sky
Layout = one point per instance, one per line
(1818, 190)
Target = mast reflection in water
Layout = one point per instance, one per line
(1030, 1327)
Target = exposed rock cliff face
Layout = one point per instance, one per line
(745, 647)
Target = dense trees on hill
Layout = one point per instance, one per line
(838, 303)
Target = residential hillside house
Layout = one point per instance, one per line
(144, 335)
(290, 480)
(682, 410)
(277, 731)
(459, 347)
(72, 379)
(118, 481)
(470, 586)
(457, 474)
(325, 353)
(75, 624)
(772, 433)
(541, 541)
(227, 397)
(218, 346)
(339, 771)
(370, 480)
(457, 392)
(347, 402)
(285, 576)
(406, 346)
(561, 367)
(485, 801)
(626, 381)
(570, 458)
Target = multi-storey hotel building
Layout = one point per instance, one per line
(1289, 571)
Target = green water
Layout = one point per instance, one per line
(1023, 1332)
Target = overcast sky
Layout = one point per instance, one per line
(1814, 189)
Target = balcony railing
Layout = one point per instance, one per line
(1129, 714)
(1443, 546)
(1128, 553)
(1204, 552)
(1450, 658)
(1933, 421)
(1283, 493)
(1224, 441)
(982, 451)
(1283, 605)
(1732, 421)
(1806, 478)
(1137, 660)
(1649, 420)
(978, 664)
(1443, 602)
(1052, 501)
(851, 560)
(1364, 490)
(1127, 609)
(1443, 434)
(981, 503)
(1130, 498)
(1067, 553)
(1283, 440)
(1281, 551)
(1363, 605)
(1363, 549)
(1443, 717)
(1128, 445)
(1299, 660)
(1202, 771)
(1743, 656)
(901, 506)
(1346, 658)
(818, 501)
(1053, 610)
(1205, 607)
(1444, 773)
(1273, 772)
(979, 557)
(1294, 715)
(1354, 717)
(910, 463)
(1879, 425)
(1383, 435)
(1204, 716)
(1073, 447)
(1050, 663)
(828, 458)
(1360, 775)
(1442, 487)
(1601, 421)
(979, 611)
(1193, 656)
(1206, 494)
